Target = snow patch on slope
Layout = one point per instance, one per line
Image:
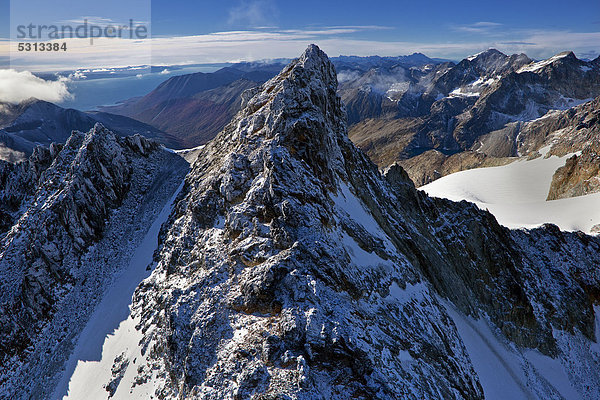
(464, 92)
(348, 202)
(474, 56)
(474, 88)
(541, 64)
(85, 375)
(516, 194)
(504, 371)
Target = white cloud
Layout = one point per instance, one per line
(479, 27)
(260, 44)
(90, 20)
(257, 45)
(18, 86)
(253, 13)
(77, 75)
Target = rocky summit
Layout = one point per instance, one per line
(291, 268)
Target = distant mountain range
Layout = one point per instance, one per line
(36, 122)
(473, 111)
(432, 116)
(397, 107)
(194, 107)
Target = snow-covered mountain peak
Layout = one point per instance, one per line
(291, 267)
(562, 57)
(315, 61)
(567, 54)
(274, 237)
(493, 62)
(298, 110)
(312, 74)
(487, 54)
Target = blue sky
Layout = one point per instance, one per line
(187, 31)
(411, 20)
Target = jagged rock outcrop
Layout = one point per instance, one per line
(579, 176)
(73, 213)
(18, 181)
(565, 132)
(290, 268)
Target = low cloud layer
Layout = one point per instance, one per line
(18, 86)
(259, 44)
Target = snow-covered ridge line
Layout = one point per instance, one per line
(541, 64)
(129, 180)
(111, 331)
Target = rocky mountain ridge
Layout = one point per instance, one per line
(291, 267)
(71, 215)
(481, 119)
(579, 176)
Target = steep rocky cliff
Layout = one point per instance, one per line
(579, 176)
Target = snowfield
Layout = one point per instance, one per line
(516, 195)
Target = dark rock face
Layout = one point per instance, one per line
(565, 132)
(291, 267)
(18, 181)
(65, 207)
